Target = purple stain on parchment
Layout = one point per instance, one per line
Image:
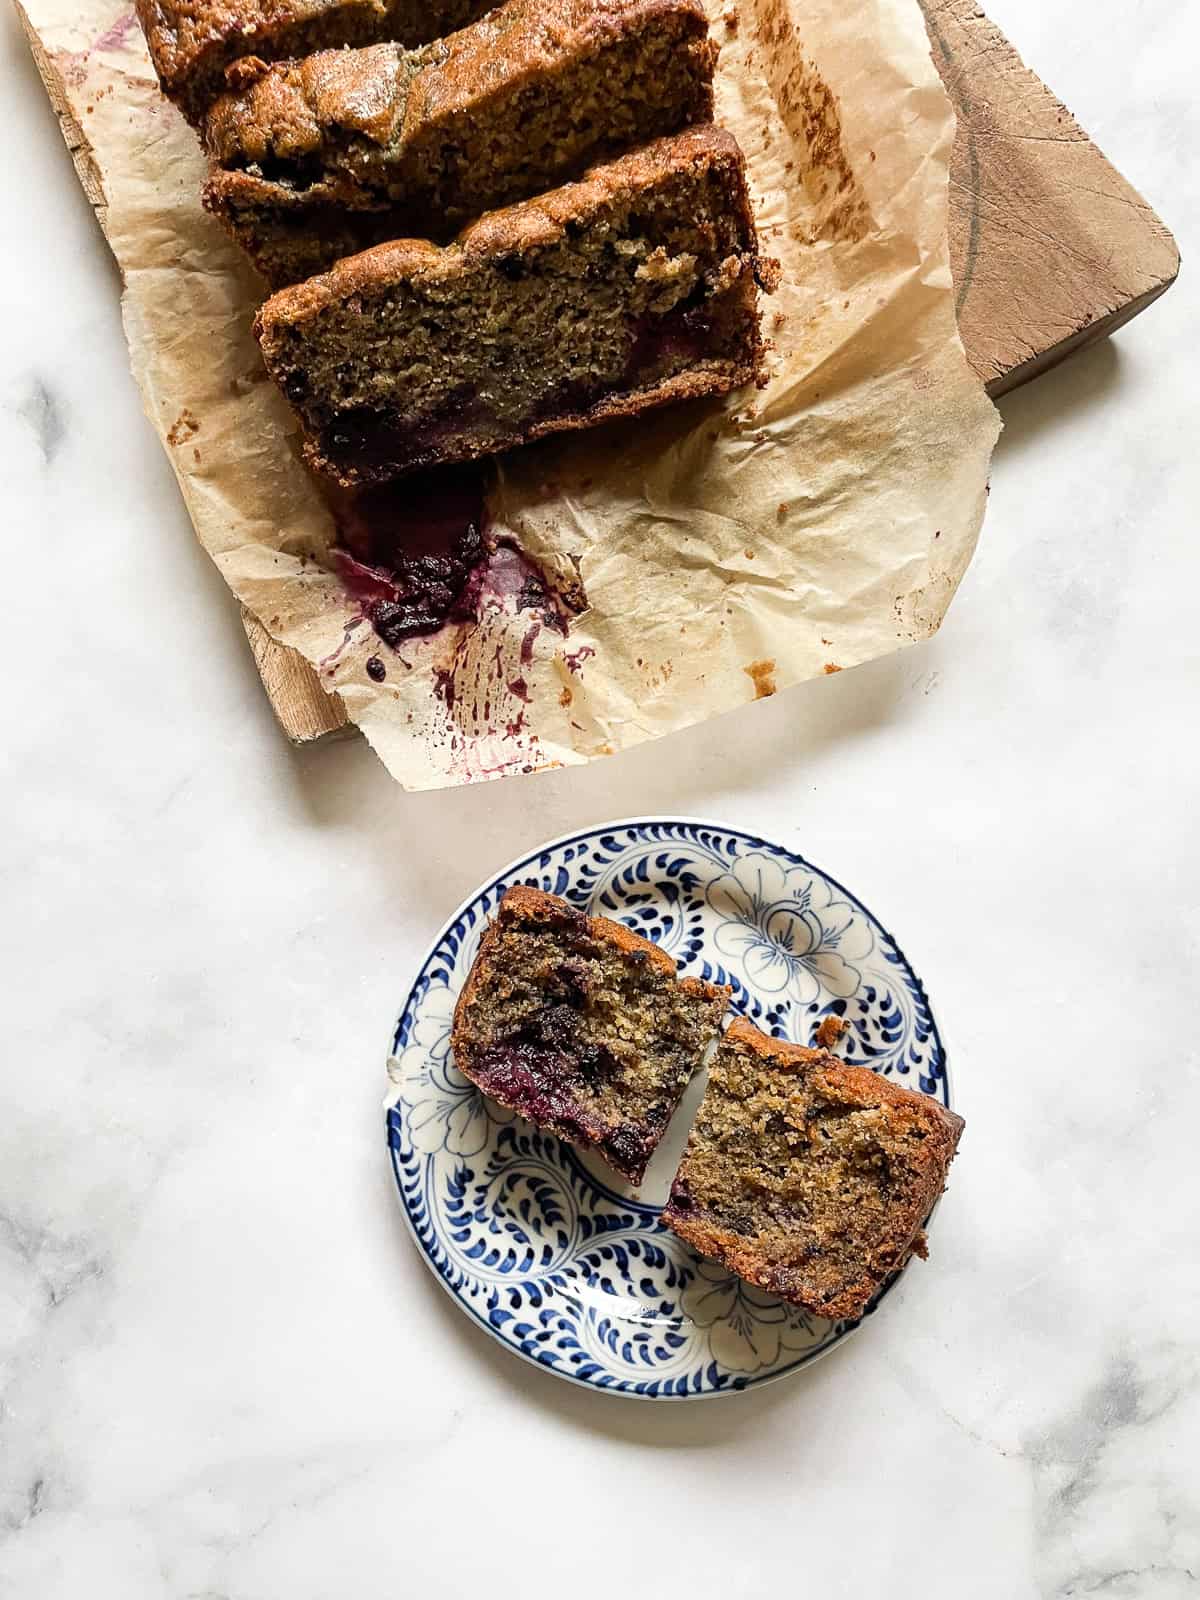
(73, 63)
(114, 38)
(348, 632)
(418, 558)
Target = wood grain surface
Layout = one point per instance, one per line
(1050, 246)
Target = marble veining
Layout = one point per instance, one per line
(1081, 1469)
(39, 408)
(225, 1373)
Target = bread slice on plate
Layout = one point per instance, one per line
(582, 1026)
(631, 288)
(321, 158)
(808, 1177)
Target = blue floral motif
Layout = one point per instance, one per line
(747, 1329)
(786, 932)
(573, 1271)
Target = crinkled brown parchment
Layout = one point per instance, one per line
(727, 550)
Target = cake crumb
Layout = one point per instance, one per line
(829, 1030)
(762, 675)
(182, 429)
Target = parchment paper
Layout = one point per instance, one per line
(726, 549)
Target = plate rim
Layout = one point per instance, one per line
(571, 836)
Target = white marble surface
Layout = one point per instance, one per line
(225, 1374)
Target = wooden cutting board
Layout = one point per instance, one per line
(1051, 249)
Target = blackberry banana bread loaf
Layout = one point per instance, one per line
(633, 287)
(808, 1177)
(583, 1027)
(317, 159)
(192, 42)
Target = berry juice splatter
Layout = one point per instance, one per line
(406, 550)
(417, 557)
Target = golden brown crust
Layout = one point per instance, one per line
(382, 93)
(524, 38)
(927, 1132)
(526, 900)
(327, 156)
(857, 1084)
(192, 42)
(512, 230)
(287, 110)
(540, 220)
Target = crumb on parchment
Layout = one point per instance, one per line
(762, 675)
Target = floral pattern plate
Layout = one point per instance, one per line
(544, 1246)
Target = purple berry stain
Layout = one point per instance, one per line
(406, 550)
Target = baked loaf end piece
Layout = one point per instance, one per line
(580, 1025)
(321, 158)
(193, 41)
(808, 1177)
(633, 287)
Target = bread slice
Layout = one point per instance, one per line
(808, 1177)
(192, 42)
(631, 288)
(321, 158)
(582, 1026)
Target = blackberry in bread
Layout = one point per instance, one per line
(582, 1026)
(321, 158)
(633, 287)
(808, 1177)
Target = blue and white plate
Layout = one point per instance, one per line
(547, 1248)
